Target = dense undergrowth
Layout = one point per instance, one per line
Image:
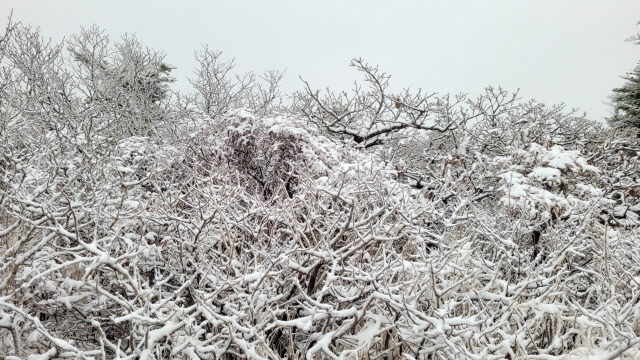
(237, 223)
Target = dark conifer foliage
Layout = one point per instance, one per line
(626, 100)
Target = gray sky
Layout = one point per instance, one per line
(554, 51)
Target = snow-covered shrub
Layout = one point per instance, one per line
(540, 182)
(272, 153)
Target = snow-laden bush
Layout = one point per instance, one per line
(173, 255)
(540, 182)
(272, 154)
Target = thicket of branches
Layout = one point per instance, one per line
(238, 223)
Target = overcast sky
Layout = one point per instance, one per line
(554, 51)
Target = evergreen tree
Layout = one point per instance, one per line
(626, 100)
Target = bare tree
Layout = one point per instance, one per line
(218, 89)
(371, 115)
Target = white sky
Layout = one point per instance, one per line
(554, 51)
